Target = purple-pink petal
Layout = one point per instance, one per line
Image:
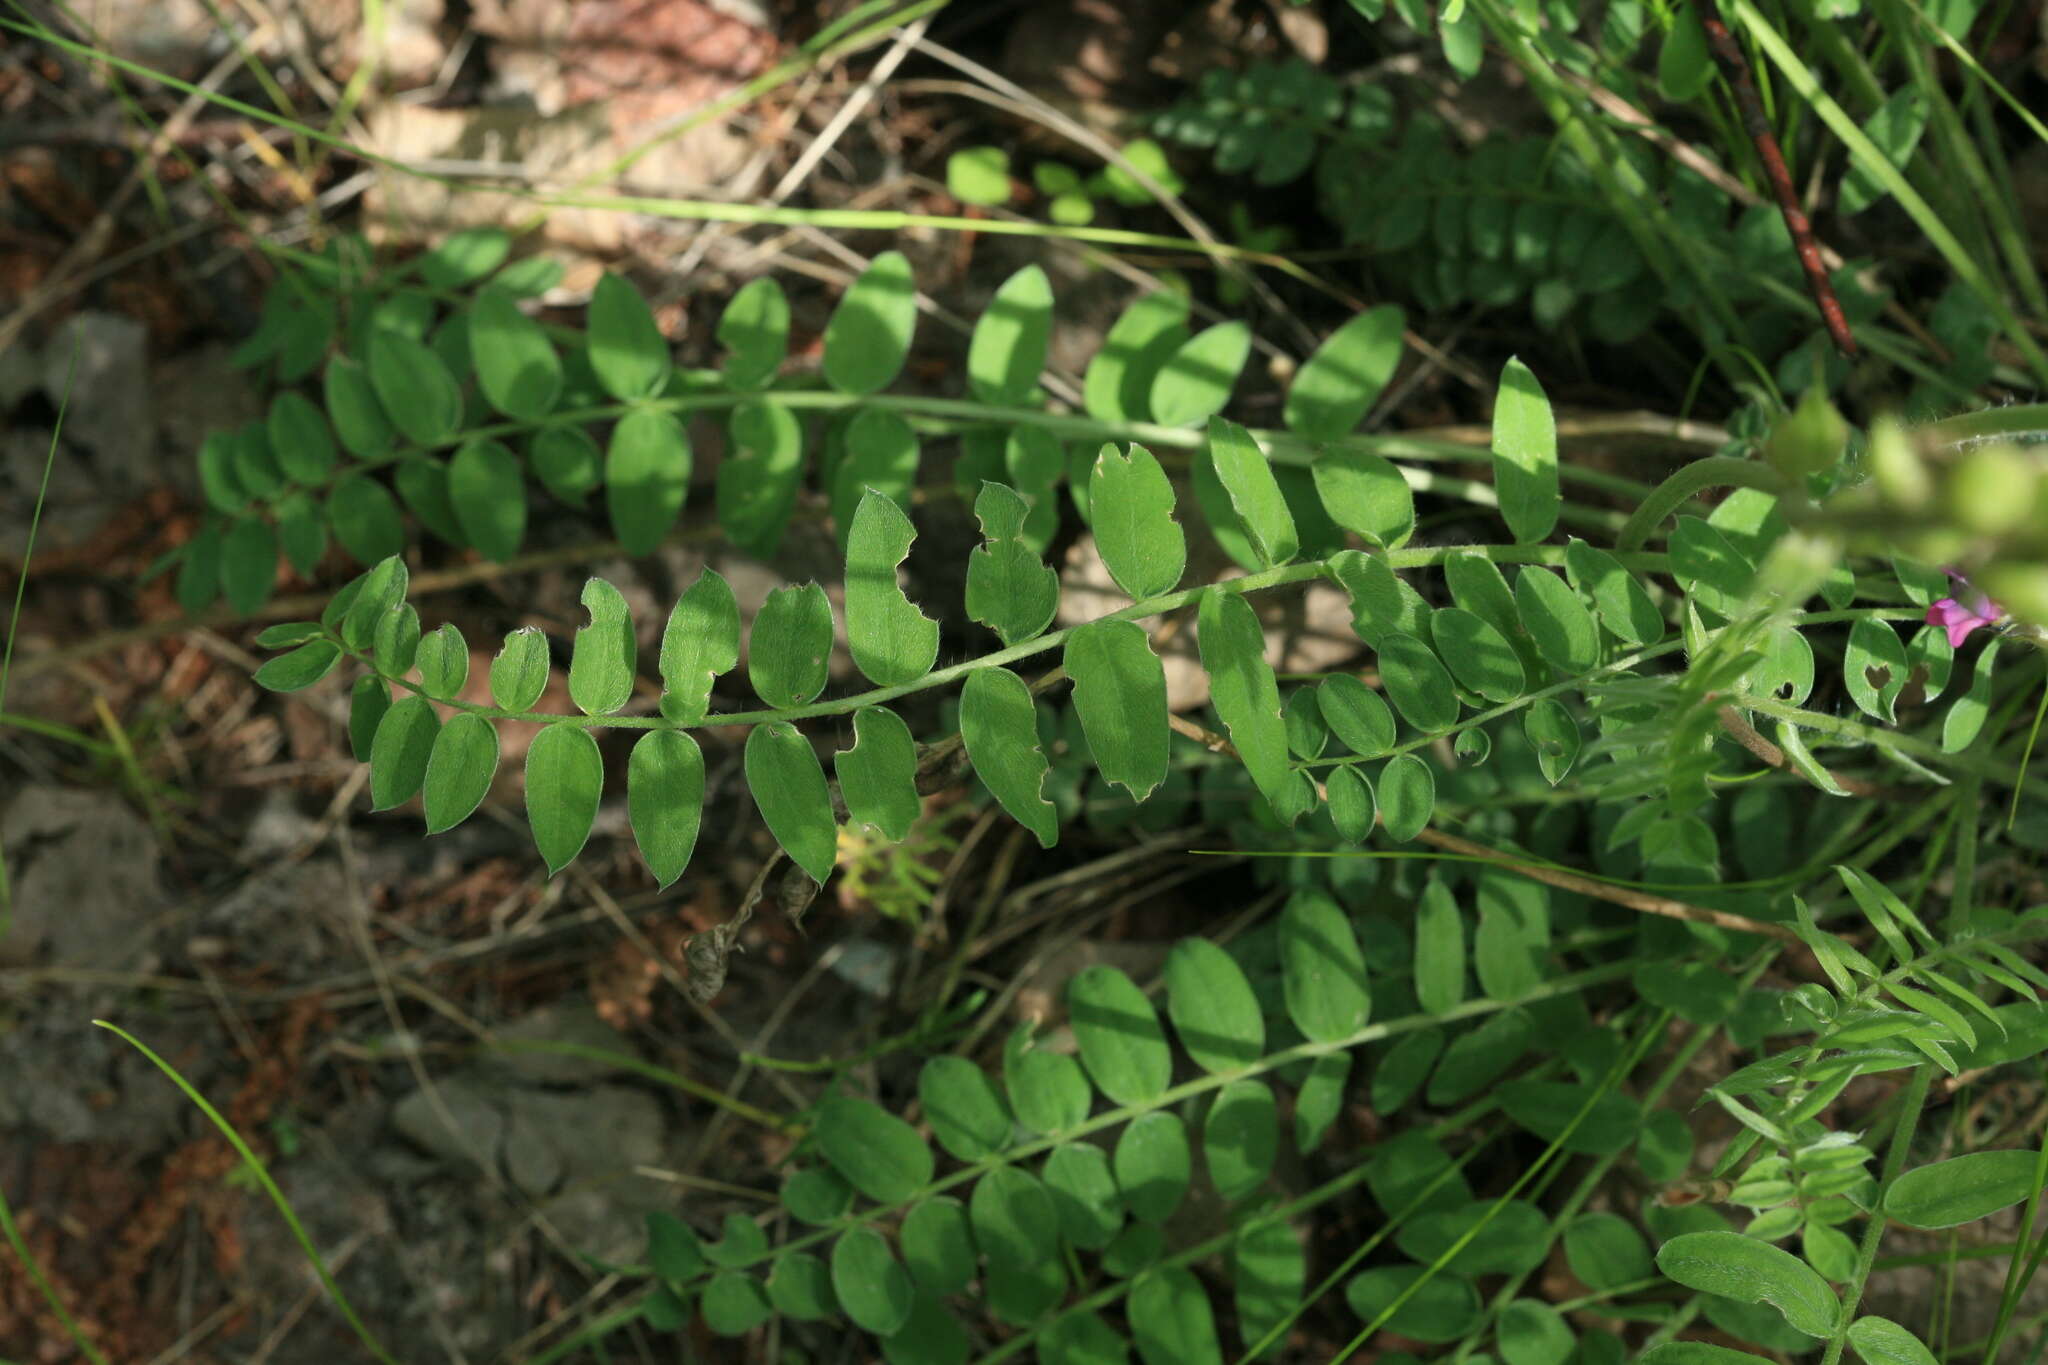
(1959, 620)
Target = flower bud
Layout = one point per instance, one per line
(1808, 439)
(1991, 490)
(2022, 589)
(1896, 468)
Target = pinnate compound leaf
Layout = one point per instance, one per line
(1121, 1042)
(700, 641)
(878, 775)
(790, 651)
(646, 476)
(1407, 792)
(1254, 493)
(1322, 969)
(1417, 683)
(414, 387)
(1195, 382)
(1243, 689)
(879, 1154)
(1557, 621)
(1750, 1271)
(867, 338)
(1171, 1321)
(999, 727)
(869, 1282)
(1962, 1189)
(1525, 454)
(1334, 387)
(665, 800)
(520, 672)
(459, 770)
(399, 753)
(1213, 1008)
(602, 662)
(891, 640)
(1880, 1341)
(754, 329)
(516, 365)
(1365, 493)
(1120, 696)
(564, 779)
(788, 783)
(1009, 588)
(489, 497)
(301, 668)
(1141, 544)
(628, 353)
(1007, 349)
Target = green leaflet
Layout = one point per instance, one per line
(1196, 380)
(1380, 600)
(800, 1287)
(1531, 1332)
(1152, 1163)
(1117, 386)
(1948, 1194)
(1242, 687)
(882, 454)
(700, 641)
(248, 564)
(488, 493)
(790, 651)
(399, 753)
(1547, 1109)
(516, 366)
(520, 672)
(1967, 713)
(1121, 1042)
(879, 1154)
(1047, 1089)
(1241, 1137)
(1353, 809)
(1009, 588)
(868, 337)
(1322, 969)
(788, 783)
(1874, 667)
(999, 727)
(938, 1245)
(413, 387)
(1120, 695)
(1356, 715)
(1623, 604)
(869, 1282)
(734, 1304)
(302, 533)
(459, 770)
(1253, 491)
(628, 353)
(443, 659)
(1140, 543)
(1016, 1225)
(301, 668)
(1214, 501)
(359, 420)
(1439, 949)
(1407, 792)
(891, 640)
(1418, 685)
(1084, 1192)
(1606, 1251)
(647, 476)
(217, 478)
(1894, 130)
(1880, 1341)
(1365, 493)
(1557, 621)
(256, 466)
(1321, 1099)
(966, 1111)
(564, 779)
(1713, 572)
(665, 800)
(878, 775)
(424, 486)
(368, 699)
(754, 329)
(602, 663)
(1171, 1322)
(1440, 1308)
(1553, 733)
(1750, 1271)
(1269, 1270)
(758, 480)
(1213, 1008)
(300, 438)
(1007, 349)
(1525, 454)
(1478, 655)
(1334, 387)
(364, 518)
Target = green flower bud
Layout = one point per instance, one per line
(1808, 439)
(1901, 476)
(2022, 589)
(1991, 490)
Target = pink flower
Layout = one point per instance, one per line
(1960, 616)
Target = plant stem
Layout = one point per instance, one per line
(1914, 1099)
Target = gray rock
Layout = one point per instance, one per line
(572, 1022)
(110, 412)
(532, 1160)
(87, 878)
(479, 1124)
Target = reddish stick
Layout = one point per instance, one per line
(1729, 52)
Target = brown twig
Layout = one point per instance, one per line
(1758, 126)
(1772, 756)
